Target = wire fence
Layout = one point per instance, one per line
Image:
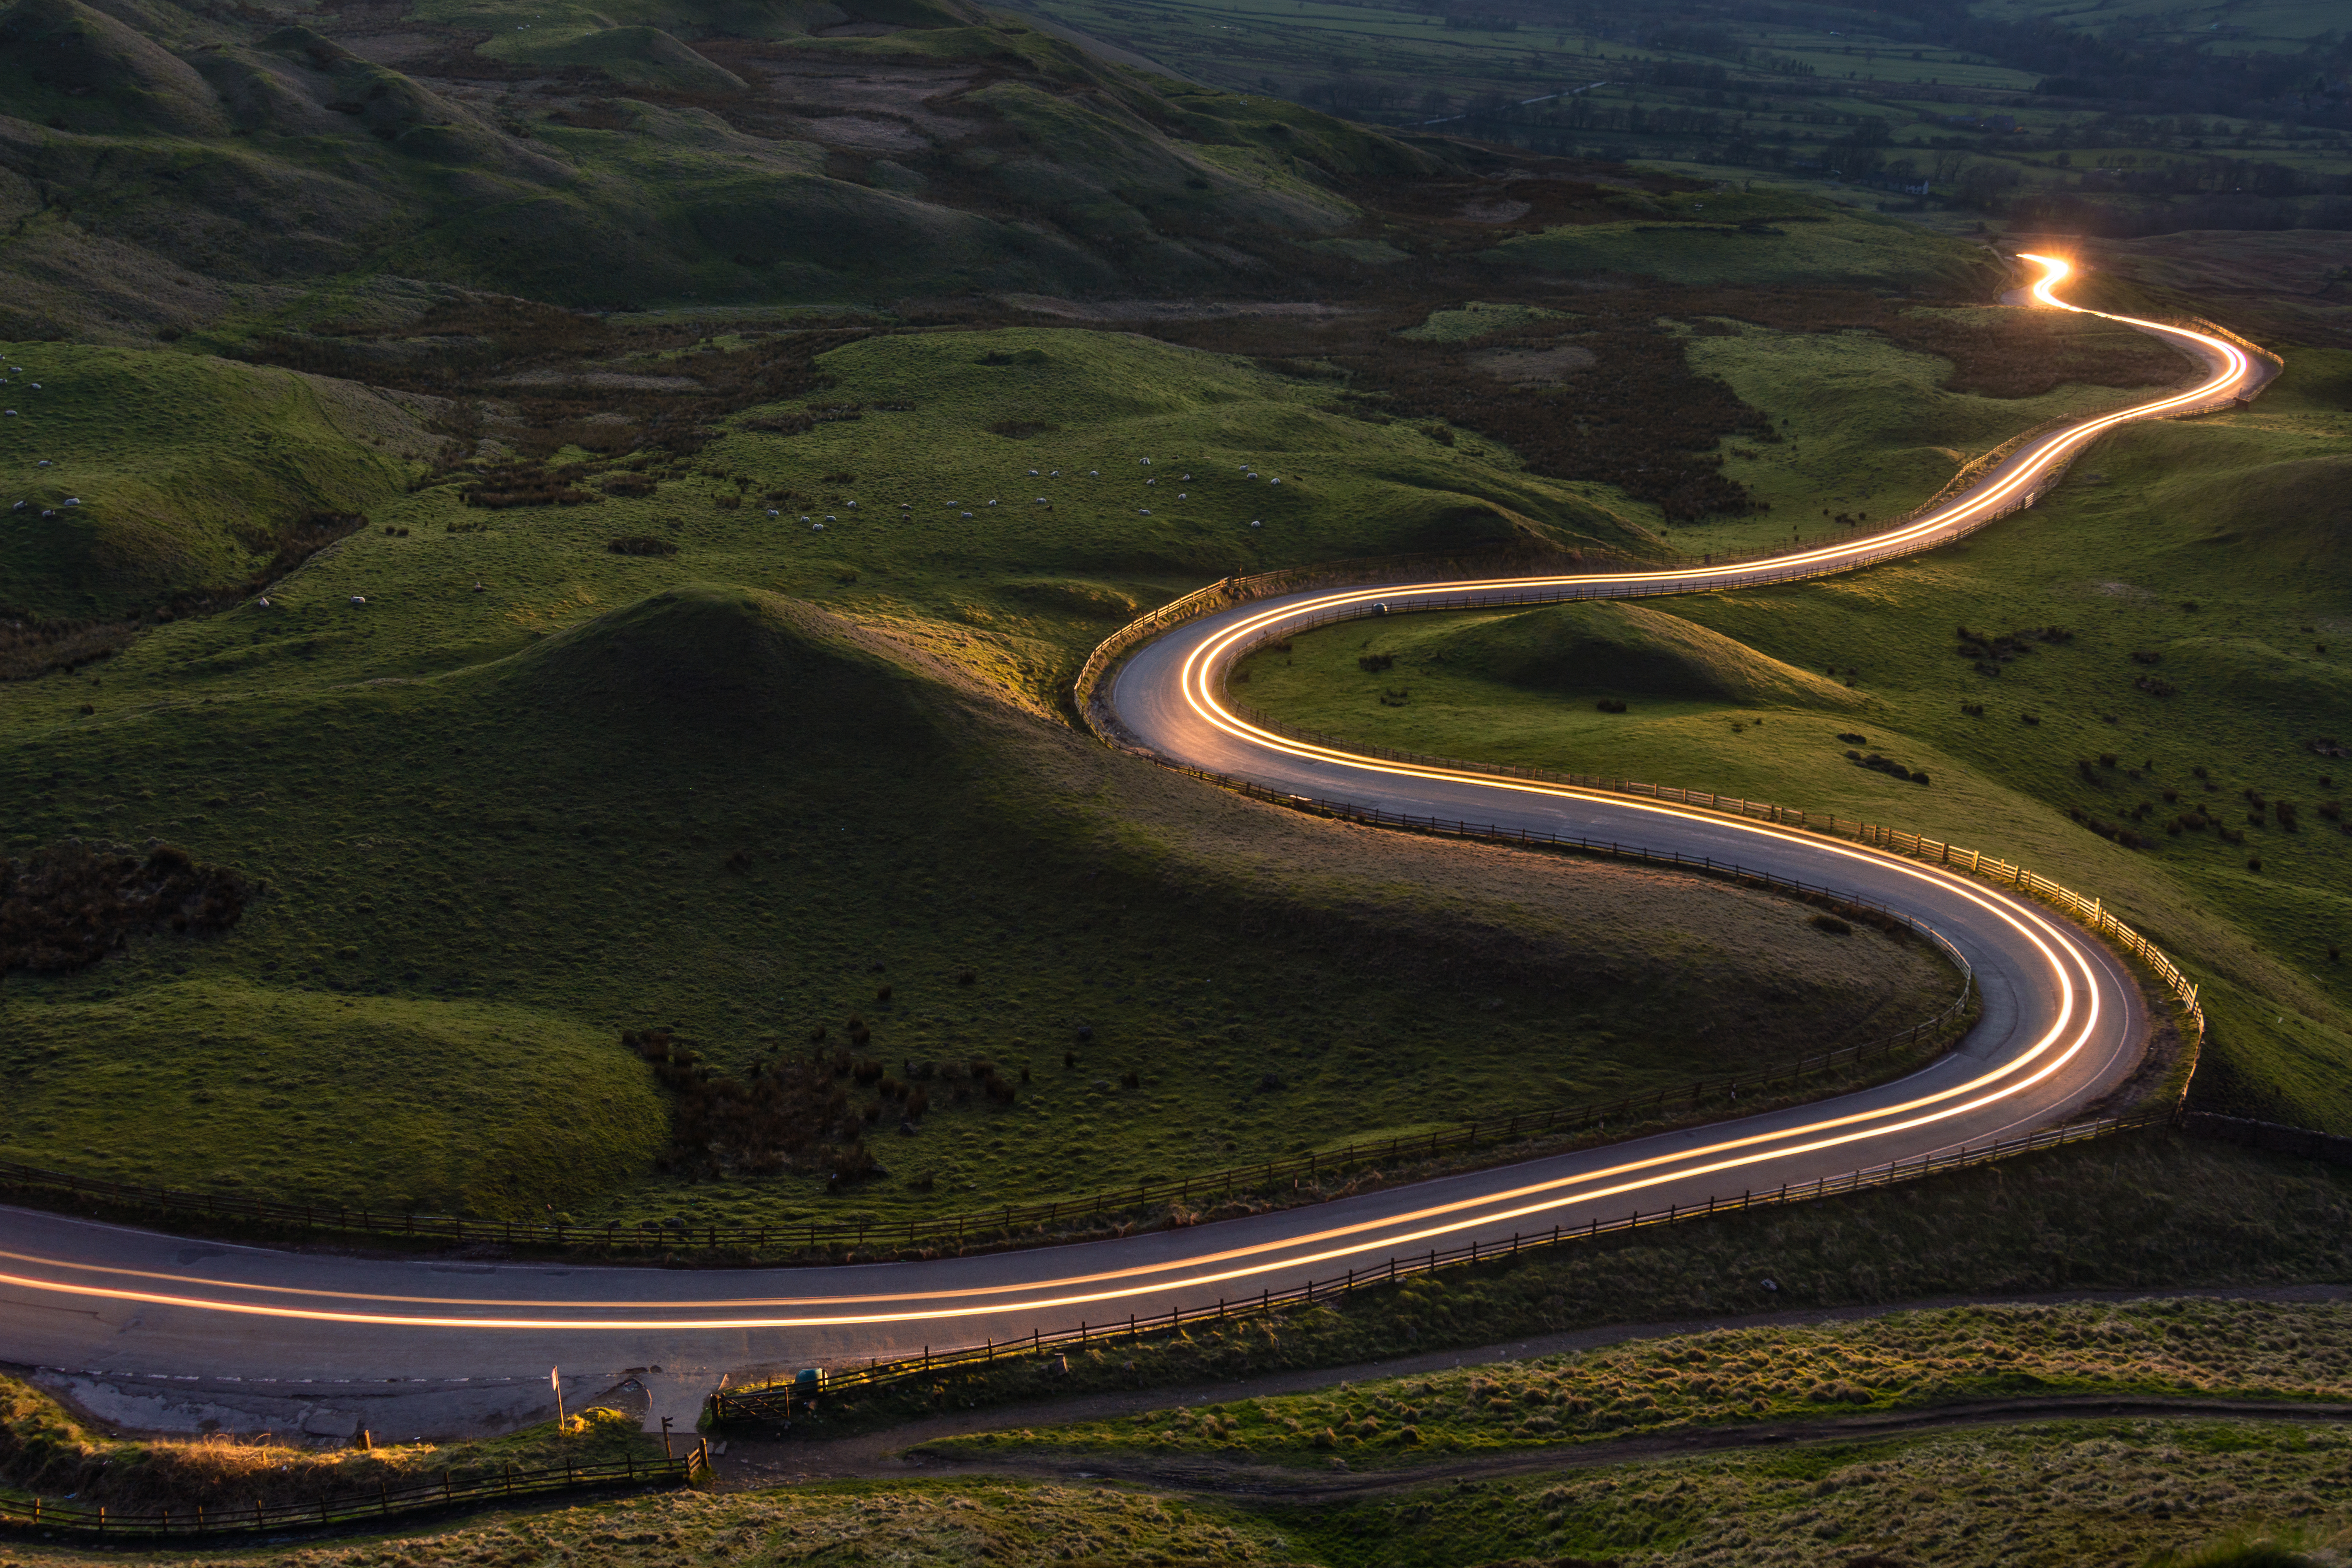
(766, 1403)
(387, 1501)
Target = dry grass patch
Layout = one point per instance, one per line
(1908, 1360)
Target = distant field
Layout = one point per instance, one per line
(1900, 113)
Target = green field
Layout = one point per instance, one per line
(2233, 515)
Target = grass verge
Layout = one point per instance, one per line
(1908, 1361)
(2150, 1211)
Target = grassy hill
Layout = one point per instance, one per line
(134, 480)
(513, 792)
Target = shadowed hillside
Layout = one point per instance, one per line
(157, 163)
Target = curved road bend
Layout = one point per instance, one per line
(162, 1332)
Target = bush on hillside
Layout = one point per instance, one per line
(65, 907)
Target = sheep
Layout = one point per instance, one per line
(1180, 495)
(44, 462)
(262, 603)
(991, 503)
(478, 587)
(1094, 473)
(1143, 512)
(73, 500)
(1033, 473)
(18, 507)
(1041, 500)
(853, 506)
(1055, 475)
(48, 514)
(805, 520)
(1255, 523)
(774, 513)
(1273, 481)
(830, 518)
(359, 598)
(967, 514)
(816, 527)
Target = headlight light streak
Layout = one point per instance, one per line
(2069, 961)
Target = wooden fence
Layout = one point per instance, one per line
(759, 1404)
(2091, 911)
(92, 1525)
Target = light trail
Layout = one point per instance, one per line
(2072, 966)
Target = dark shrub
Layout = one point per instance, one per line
(1609, 705)
(65, 907)
(1832, 924)
(641, 545)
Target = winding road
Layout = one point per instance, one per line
(160, 1332)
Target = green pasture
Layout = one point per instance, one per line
(129, 477)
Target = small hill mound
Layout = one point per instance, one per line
(643, 58)
(732, 668)
(388, 104)
(2297, 514)
(1626, 650)
(89, 72)
(179, 476)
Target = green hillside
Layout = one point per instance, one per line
(128, 480)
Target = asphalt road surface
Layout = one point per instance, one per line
(162, 1333)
